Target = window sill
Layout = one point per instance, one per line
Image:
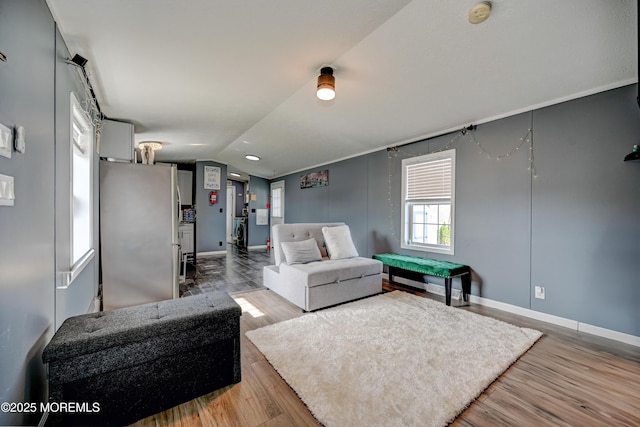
(431, 249)
(69, 276)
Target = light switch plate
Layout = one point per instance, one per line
(20, 143)
(6, 141)
(7, 195)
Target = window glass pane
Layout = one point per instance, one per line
(430, 224)
(418, 213)
(418, 233)
(81, 183)
(432, 214)
(277, 202)
(444, 212)
(432, 234)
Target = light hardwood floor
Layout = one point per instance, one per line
(566, 379)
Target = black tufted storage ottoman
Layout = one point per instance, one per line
(138, 361)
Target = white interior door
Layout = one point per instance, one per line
(277, 205)
(231, 211)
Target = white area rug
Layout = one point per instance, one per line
(391, 360)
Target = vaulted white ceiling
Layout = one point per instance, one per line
(215, 80)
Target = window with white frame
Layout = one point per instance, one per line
(82, 142)
(428, 200)
(276, 202)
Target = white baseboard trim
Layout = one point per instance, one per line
(608, 333)
(94, 306)
(532, 314)
(211, 253)
(525, 312)
(456, 294)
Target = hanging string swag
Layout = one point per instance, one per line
(466, 132)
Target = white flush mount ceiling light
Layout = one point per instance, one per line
(237, 175)
(152, 145)
(252, 157)
(326, 89)
(480, 12)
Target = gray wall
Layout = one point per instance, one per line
(344, 199)
(35, 94)
(573, 228)
(211, 222)
(27, 257)
(35, 87)
(586, 202)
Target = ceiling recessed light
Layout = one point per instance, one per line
(234, 174)
(252, 157)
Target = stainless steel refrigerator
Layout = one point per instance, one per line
(138, 233)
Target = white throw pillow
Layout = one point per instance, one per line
(338, 242)
(301, 252)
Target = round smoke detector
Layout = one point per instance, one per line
(480, 12)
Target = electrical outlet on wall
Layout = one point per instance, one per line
(539, 292)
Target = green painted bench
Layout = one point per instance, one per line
(417, 268)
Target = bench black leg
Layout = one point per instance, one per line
(465, 277)
(447, 290)
(466, 286)
(391, 273)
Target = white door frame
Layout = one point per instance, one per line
(231, 211)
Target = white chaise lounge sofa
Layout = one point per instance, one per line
(322, 272)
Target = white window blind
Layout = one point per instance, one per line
(429, 180)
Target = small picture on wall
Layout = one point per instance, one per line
(315, 179)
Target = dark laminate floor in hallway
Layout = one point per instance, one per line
(239, 270)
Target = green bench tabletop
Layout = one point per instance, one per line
(428, 266)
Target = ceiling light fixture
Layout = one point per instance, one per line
(480, 12)
(237, 175)
(326, 89)
(252, 157)
(153, 145)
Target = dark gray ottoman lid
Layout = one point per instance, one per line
(90, 333)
